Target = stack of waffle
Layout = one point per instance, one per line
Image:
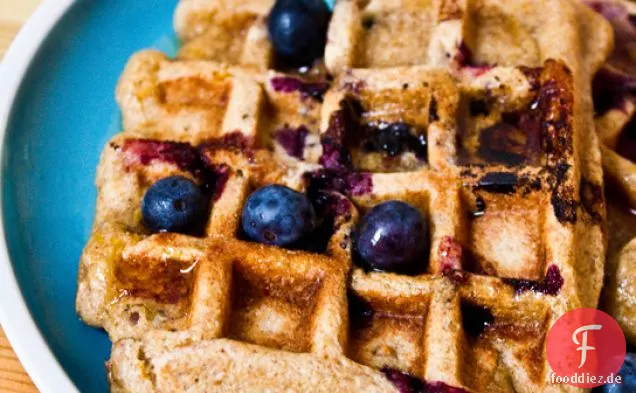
(615, 103)
(505, 165)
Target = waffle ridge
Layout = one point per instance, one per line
(508, 181)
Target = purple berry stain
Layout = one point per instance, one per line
(293, 140)
(285, 84)
(550, 285)
(358, 183)
(145, 151)
(440, 387)
(338, 174)
(466, 61)
(186, 157)
(334, 156)
(406, 383)
(464, 57)
(343, 125)
(450, 254)
(222, 174)
(288, 84)
(347, 183)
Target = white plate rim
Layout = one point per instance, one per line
(15, 318)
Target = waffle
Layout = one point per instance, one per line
(615, 101)
(225, 31)
(615, 106)
(517, 219)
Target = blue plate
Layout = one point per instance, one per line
(63, 114)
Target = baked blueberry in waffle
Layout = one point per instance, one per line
(393, 196)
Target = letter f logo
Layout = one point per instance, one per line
(584, 347)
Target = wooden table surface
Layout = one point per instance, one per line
(13, 378)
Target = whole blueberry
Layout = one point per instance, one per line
(298, 30)
(393, 236)
(277, 215)
(174, 204)
(628, 374)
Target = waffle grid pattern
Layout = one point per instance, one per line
(505, 206)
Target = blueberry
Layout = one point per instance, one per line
(277, 215)
(628, 374)
(298, 30)
(174, 204)
(394, 139)
(393, 236)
